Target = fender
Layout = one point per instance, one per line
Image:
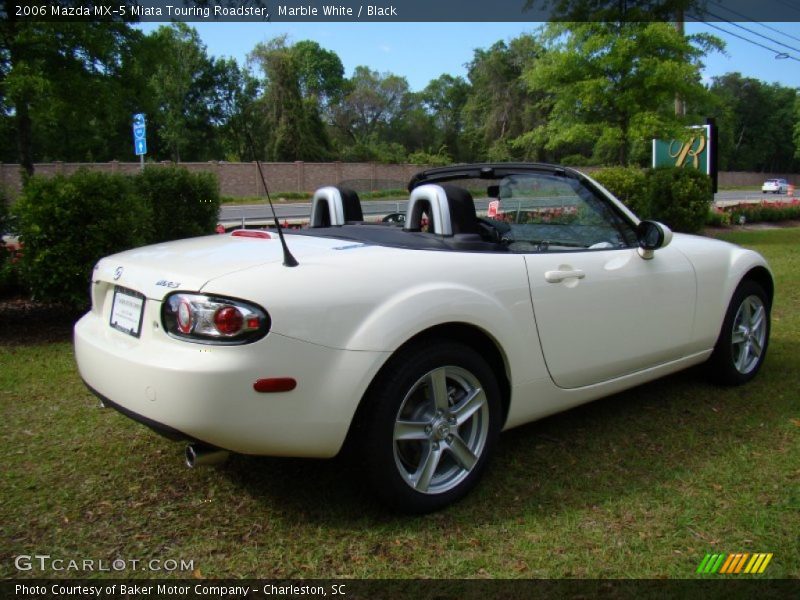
(418, 308)
(719, 269)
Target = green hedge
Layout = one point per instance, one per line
(680, 198)
(68, 223)
(628, 184)
(183, 204)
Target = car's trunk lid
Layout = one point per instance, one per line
(188, 264)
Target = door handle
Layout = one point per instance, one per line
(559, 276)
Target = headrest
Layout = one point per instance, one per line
(334, 206)
(450, 209)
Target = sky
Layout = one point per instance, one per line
(421, 52)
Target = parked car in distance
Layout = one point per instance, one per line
(9, 235)
(395, 217)
(776, 186)
(415, 345)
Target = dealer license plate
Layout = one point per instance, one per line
(127, 311)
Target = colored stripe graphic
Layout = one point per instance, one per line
(731, 564)
(765, 563)
(728, 562)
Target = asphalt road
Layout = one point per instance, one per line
(257, 214)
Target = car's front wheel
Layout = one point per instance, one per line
(742, 343)
(431, 422)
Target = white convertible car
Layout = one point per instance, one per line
(416, 343)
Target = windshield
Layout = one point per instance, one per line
(548, 212)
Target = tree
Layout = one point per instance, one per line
(237, 96)
(444, 98)
(612, 86)
(500, 105)
(756, 122)
(797, 128)
(177, 83)
(53, 94)
(297, 132)
(320, 73)
(373, 100)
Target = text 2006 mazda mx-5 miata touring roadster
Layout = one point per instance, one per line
(416, 342)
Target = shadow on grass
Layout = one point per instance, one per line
(654, 435)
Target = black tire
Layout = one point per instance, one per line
(452, 433)
(743, 339)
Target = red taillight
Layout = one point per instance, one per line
(275, 384)
(184, 319)
(213, 319)
(228, 320)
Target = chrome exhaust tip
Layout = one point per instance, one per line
(199, 455)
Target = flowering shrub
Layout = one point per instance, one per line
(754, 213)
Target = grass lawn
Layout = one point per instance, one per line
(642, 484)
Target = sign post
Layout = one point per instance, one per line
(140, 137)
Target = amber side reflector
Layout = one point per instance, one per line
(275, 384)
(250, 233)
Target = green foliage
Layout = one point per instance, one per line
(374, 149)
(57, 95)
(439, 159)
(320, 72)
(612, 85)
(500, 105)
(373, 102)
(590, 92)
(680, 198)
(628, 184)
(718, 218)
(797, 127)
(444, 98)
(67, 223)
(739, 103)
(182, 204)
(294, 125)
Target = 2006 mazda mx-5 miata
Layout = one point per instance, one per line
(416, 342)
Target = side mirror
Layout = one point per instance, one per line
(652, 235)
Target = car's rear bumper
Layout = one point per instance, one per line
(203, 392)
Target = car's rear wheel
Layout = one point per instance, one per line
(431, 423)
(742, 344)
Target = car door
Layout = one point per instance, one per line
(602, 311)
(622, 315)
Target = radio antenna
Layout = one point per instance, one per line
(288, 259)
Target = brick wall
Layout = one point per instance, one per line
(242, 179)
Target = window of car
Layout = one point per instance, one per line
(551, 213)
